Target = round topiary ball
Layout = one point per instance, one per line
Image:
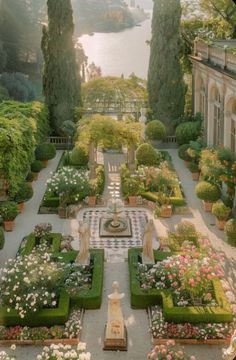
(155, 130)
(207, 191)
(147, 155)
(186, 132)
(36, 166)
(79, 156)
(183, 154)
(230, 231)
(45, 152)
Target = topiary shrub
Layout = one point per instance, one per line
(193, 167)
(207, 191)
(2, 238)
(79, 156)
(221, 211)
(230, 231)
(183, 152)
(24, 193)
(187, 132)
(36, 166)
(45, 151)
(147, 155)
(155, 130)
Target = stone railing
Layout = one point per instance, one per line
(218, 56)
(61, 143)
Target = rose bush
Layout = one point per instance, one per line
(169, 352)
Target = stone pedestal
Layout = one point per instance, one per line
(115, 337)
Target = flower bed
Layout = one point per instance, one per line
(30, 241)
(187, 333)
(68, 333)
(143, 298)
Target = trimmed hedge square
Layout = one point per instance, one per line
(141, 299)
(31, 242)
(90, 298)
(44, 317)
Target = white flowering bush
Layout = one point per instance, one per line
(6, 356)
(29, 283)
(73, 325)
(70, 184)
(61, 352)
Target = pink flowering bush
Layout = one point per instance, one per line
(169, 352)
(187, 276)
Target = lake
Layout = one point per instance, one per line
(120, 53)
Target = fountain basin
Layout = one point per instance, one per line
(108, 229)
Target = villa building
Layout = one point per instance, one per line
(214, 90)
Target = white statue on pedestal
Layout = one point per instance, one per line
(143, 121)
(149, 232)
(83, 257)
(115, 323)
(230, 353)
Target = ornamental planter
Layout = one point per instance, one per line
(166, 211)
(133, 200)
(207, 206)
(21, 207)
(186, 163)
(220, 224)
(195, 176)
(156, 341)
(9, 225)
(48, 342)
(92, 200)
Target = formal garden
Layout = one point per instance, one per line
(117, 215)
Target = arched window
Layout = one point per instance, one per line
(202, 99)
(233, 129)
(216, 116)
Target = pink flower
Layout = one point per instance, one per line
(191, 282)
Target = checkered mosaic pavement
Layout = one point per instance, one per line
(138, 219)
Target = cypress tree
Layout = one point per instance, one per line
(166, 88)
(61, 82)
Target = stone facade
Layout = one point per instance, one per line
(214, 90)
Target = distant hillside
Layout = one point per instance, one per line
(104, 16)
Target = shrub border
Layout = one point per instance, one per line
(141, 299)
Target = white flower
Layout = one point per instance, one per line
(13, 347)
(81, 346)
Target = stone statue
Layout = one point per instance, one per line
(115, 334)
(143, 121)
(230, 353)
(83, 257)
(148, 255)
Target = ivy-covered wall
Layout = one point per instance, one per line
(22, 126)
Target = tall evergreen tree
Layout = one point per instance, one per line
(61, 83)
(166, 88)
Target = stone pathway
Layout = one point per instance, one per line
(136, 320)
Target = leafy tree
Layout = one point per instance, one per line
(19, 86)
(222, 9)
(166, 88)
(61, 83)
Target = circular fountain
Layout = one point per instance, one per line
(115, 224)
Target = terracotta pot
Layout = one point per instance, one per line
(45, 163)
(195, 176)
(166, 211)
(21, 207)
(220, 224)
(62, 212)
(92, 200)
(207, 206)
(9, 225)
(133, 200)
(186, 163)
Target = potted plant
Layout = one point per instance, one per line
(131, 188)
(208, 193)
(36, 167)
(230, 231)
(166, 209)
(8, 211)
(183, 153)
(194, 169)
(45, 152)
(2, 238)
(24, 193)
(30, 178)
(221, 213)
